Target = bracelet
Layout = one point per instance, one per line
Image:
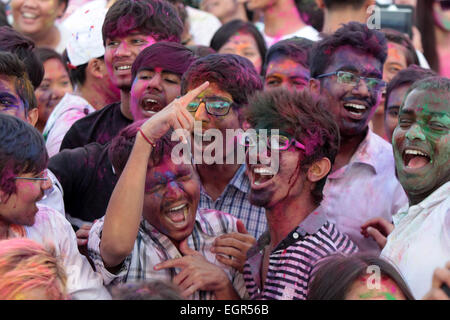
(146, 139)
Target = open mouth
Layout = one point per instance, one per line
(415, 159)
(178, 215)
(204, 138)
(123, 68)
(262, 176)
(355, 109)
(151, 105)
(29, 15)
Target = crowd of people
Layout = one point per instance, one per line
(223, 149)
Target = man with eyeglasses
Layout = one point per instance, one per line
(280, 265)
(23, 183)
(347, 69)
(218, 110)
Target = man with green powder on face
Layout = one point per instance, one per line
(420, 240)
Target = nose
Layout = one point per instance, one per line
(361, 89)
(415, 132)
(123, 49)
(201, 114)
(258, 154)
(173, 190)
(155, 82)
(30, 3)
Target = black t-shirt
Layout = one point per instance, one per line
(87, 179)
(100, 126)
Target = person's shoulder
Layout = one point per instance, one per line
(336, 239)
(48, 220)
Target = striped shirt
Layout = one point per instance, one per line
(292, 262)
(235, 201)
(153, 247)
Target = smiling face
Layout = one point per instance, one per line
(352, 106)
(120, 53)
(10, 102)
(33, 17)
(244, 45)
(395, 61)
(20, 207)
(151, 91)
(421, 143)
(393, 106)
(171, 198)
(285, 72)
(230, 121)
(54, 86)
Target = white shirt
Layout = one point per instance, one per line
(365, 188)
(70, 109)
(203, 25)
(52, 228)
(420, 242)
(307, 32)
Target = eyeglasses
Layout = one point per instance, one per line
(445, 4)
(349, 78)
(213, 107)
(42, 177)
(274, 141)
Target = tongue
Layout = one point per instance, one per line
(177, 216)
(417, 162)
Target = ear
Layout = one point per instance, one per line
(62, 6)
(95, 68)
(319, 169)
(33, 116)
(314, 86)
(320, 4)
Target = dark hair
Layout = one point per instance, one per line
(22, 150)
(426, 25)
(334, 276)
(334, 4)
(310, 13)
(77, 74)
(406, 77)
(170, 56)
(10, 65)
(157, 18)
(229, 29)
(303, 117)
(22, 46)
(45, 54)
(430, 84)
(296, 48)
(121, 146)
(152, 290)
(201, 50)
(231, 73)
(354, 34)
(403, 40)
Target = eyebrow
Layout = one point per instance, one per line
(352, 68)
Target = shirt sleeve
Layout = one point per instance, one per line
(83, 283)
(94, 253)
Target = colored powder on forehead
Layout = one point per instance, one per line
(388, 296)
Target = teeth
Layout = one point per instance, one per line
(151, 101)
(415, 152)
(356, 106)
(263, 171)
(178, 207)
(29, 15)
(124, 68)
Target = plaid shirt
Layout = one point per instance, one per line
(153, 247)
(235, 201)
(292, 262)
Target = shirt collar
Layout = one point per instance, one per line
(435, 198)
(240, 181)
(367, 151)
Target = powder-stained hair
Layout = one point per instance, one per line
(403, 40)
(233, 74)
(157, 18)
(11, 66)
(22, 150)
(302, 116)
(354, 34)
(406, 77)
(297, 49)
(170, 56)
(229, 29)
(25, 265)
(334, 276)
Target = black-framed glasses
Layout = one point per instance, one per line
(352, 79)
(213, 107)
(274, 141)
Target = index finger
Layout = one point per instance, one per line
(172, 263)
(192, 94)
